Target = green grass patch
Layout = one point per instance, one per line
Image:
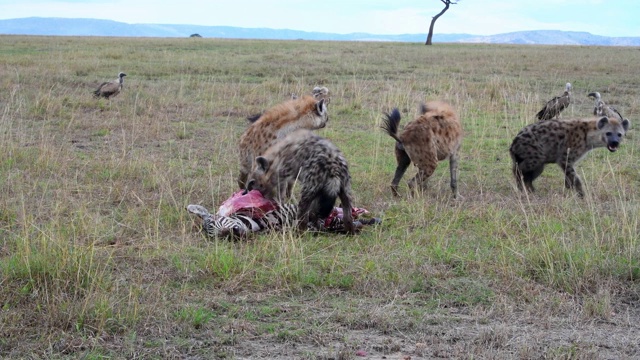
(96, 247)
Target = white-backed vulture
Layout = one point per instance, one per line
(554, 107)
(602, 109)
(110, 88)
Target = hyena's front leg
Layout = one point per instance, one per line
(426, 161)
(453, 171)
(571, 179)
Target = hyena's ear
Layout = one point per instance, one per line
(626, 124)
(602, 122)
(250, 184)
(254, 118)
(321, 107)
(262, 164)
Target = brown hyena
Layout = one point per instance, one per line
(307, 112)
(314, 162)
(564, 142)
(434, 136)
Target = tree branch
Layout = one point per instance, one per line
(433, 20)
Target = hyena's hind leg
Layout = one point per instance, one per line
(525, 175)
(403, 160)
(316, 202)
(571, 179)
(526, 168)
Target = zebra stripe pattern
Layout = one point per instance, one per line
(239, 225)
(284, 216)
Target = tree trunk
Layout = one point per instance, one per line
(433, 21)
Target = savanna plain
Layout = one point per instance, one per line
(100, 259)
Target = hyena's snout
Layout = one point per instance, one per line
(324, 123)
(613, 142)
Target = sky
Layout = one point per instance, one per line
(478, 17)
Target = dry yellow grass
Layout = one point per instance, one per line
(98, 257)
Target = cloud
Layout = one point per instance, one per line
(481, 17)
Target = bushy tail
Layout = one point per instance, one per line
(515, 170)
(390, 124)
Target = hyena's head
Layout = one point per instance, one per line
(612, 131)
(260, 178)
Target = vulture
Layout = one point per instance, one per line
(110, 88)
(319, 91)
(602, 109)
(554, 107)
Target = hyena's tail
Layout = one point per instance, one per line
(327, 195)
(516, 159)
(390, 124)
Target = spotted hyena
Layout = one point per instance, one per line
(306, 112)
(314, 162)
(564, 142)
(434, 136)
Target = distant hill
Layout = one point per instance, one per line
(95, 27)
(554, 37)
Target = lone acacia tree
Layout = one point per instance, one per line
(433, 20)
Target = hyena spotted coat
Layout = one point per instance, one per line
(307, 112)
(434, 136)
(564, 142)
(317, 165)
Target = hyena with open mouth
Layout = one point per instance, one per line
(306, 112)
(564, 142)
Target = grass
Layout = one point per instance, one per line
(98, 257)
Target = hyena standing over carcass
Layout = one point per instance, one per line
(307, 112)
(434, 136)
(564, 142)
(319, 167)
